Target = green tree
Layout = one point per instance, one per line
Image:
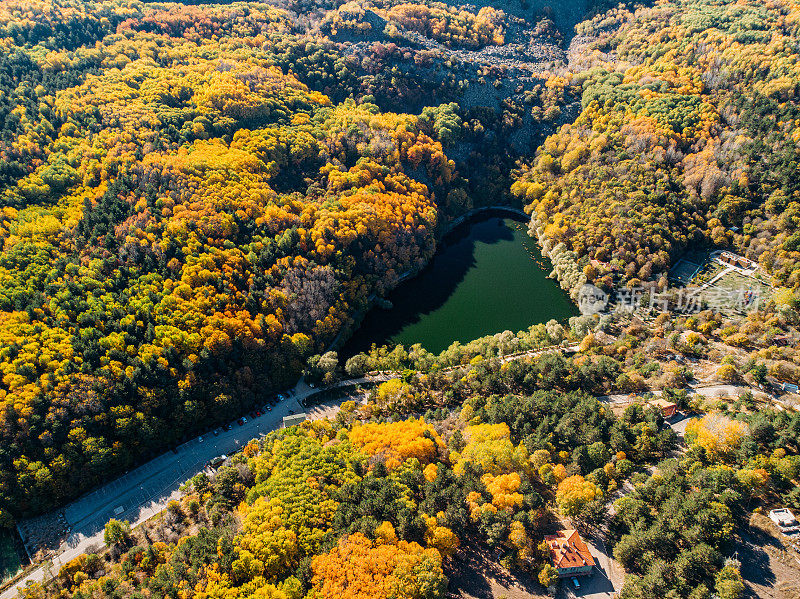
(729, 583)
(117, 533)
(759, 372)
(548, 575)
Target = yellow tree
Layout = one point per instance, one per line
(718, 434)
(574, 493)
(358, 568)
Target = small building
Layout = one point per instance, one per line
(738, 261)
(569, 554)
(785, 520)
(293, 419)
(667, 408)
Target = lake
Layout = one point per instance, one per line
(487, 277)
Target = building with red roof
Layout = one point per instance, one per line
(569, 554)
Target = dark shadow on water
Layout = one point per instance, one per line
(470, 288)
(431, 288)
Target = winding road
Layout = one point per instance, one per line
(145, 491)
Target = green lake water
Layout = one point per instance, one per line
(487, 277)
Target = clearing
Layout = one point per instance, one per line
(474, 573)
(770, 566)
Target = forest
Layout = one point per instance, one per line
(687, 137)
(378, 501)
(197, 202)
(195, 199)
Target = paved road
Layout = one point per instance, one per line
(143, 492)
(147, 490)
(605, 581)
(608, 576)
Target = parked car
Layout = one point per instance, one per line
(200, 439)
(241, 421)
(258, 413)
(228, 427)
(216, 432)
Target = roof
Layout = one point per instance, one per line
(294, 419)
(567, 550)
(662, 403)
(783, 517)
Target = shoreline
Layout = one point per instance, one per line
(476, 215)
(484, 212)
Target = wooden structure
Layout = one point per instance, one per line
(667, 408)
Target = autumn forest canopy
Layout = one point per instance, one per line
(198, 201)
(186, 220)
(195, 199)
(688, 135)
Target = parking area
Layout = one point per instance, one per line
(606, 579)
(595, 586)
(136, 496)
(142, 492)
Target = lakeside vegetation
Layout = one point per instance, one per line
(687, 136)
(377, 502)
(196, 200)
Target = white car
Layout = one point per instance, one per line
(200, 439)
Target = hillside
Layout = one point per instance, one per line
(199, 202)
(376, 503)
(688, 136)
(197, 198)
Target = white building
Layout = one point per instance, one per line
(785, 520)
(293, 420)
